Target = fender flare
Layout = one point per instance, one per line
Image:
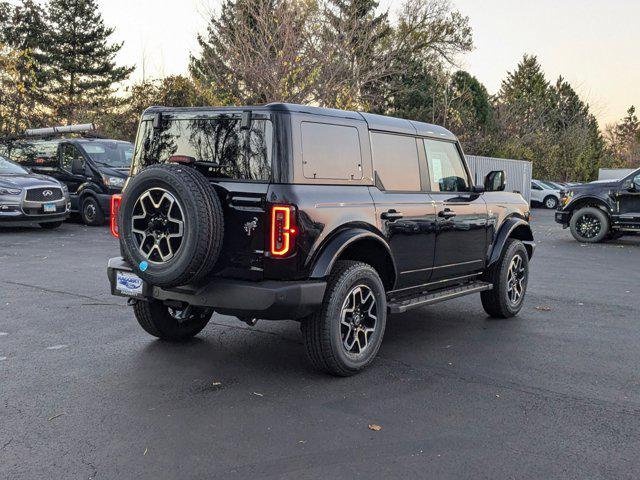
(507, 230)
(576, 203)
(336, 245)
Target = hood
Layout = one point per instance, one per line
(114, 172)
(27, 180)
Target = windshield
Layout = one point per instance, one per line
(109, 153)
(220, 148)
(10, 168)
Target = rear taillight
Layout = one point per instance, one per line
(116, 200)
(283, 230)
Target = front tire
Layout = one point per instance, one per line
(344, 337)
(509, 276)
(91, 213)
(551, 202)
(170, 324)
(589, 225)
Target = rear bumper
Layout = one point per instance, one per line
(563, 218)
(268, 300)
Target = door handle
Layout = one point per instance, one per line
(446, 213)
(391, 215)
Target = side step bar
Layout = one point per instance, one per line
(401, 306)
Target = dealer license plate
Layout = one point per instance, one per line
(128, 283)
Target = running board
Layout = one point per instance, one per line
(439, 296)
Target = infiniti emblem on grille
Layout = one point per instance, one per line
(47, 193)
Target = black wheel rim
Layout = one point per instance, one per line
(516, 280)
(588, 226)
(157, 225)
(358, 320)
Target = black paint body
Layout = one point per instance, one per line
(418, 241)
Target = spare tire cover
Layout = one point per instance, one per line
(171, 225)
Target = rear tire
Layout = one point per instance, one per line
(91, 213)
(589, 225)
(160, 321)
(344, 337)
(551, 202)
(51, 225)
(171, 220)
(509, 276)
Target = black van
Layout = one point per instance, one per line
(93, 169)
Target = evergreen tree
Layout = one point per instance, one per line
(80, 60)
(23, 33)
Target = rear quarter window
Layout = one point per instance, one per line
(331, 152)
(395, 159)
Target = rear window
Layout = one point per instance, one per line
(221, 148)
(331, 152)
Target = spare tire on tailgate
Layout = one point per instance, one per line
(171, 225)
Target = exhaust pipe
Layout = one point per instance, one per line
(43, 132)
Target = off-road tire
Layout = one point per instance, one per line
(51, 225)
(91, 213)
(602, 217)
(155, 318)
(322, 332)
(203, 225)
(496, 301)
(550, 202)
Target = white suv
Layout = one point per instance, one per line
(545, 194)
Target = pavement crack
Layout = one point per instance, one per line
(6, 444)
(50, 290)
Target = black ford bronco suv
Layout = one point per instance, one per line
(601, 210)
(332, 218)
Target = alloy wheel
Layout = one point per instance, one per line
(358, 319)
(516, 280)
(588, 226)
(158, 225)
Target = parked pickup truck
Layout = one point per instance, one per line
(332, 218)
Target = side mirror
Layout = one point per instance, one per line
(495, 181)
(479, 189)
(77, 166)
(629, 185)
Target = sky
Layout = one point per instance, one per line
(595, 45)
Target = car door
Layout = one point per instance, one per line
(462, 219)
(537, 192)
(406, 214)
(629, 203)
(67, 152)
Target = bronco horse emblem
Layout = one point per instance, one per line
(249, 227)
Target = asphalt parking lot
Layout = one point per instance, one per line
(85, 393)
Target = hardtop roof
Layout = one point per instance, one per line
(374, 122)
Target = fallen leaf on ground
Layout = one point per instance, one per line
(374, 427)
(258, 394)
(216, 384)
(55, 416)
(544, 308)
(145, 451)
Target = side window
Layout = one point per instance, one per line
(446, 167)
(331, 152)
(636, 181)
(69, 153)
(395, 158)
(535, 186)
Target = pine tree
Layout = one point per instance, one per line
(525, 99)
(81, 61)
(23, 33)
(354, 37)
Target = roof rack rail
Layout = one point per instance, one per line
(61, 130)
